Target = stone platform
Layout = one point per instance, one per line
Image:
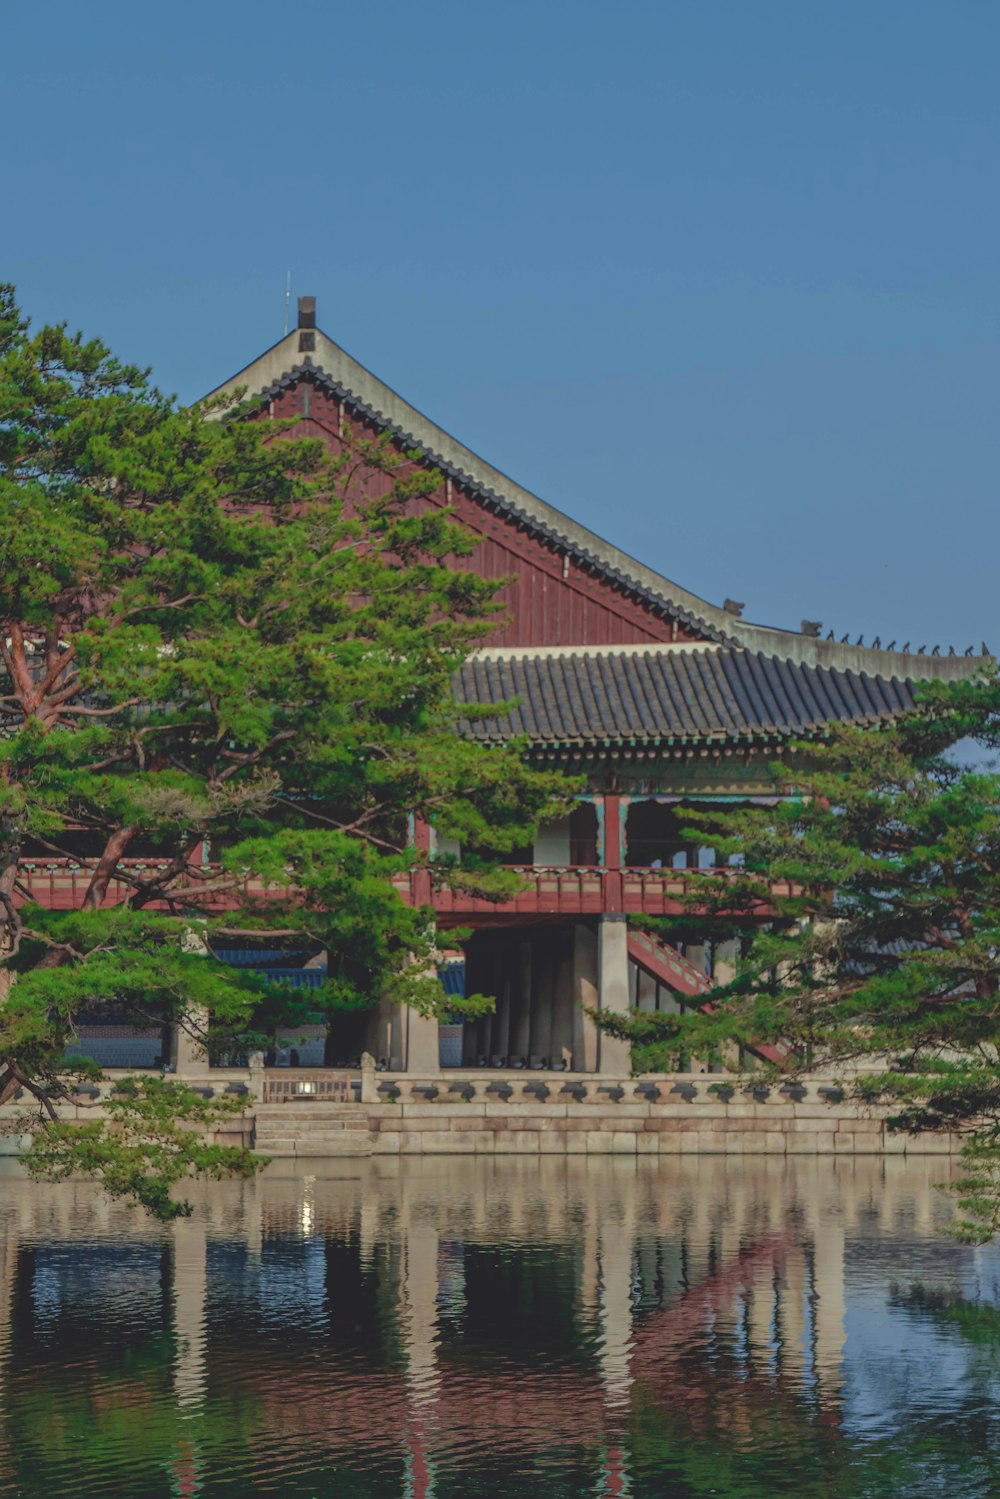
(565, 1114)
(544, 1113)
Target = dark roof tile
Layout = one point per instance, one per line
(700, 694)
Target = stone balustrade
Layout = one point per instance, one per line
(485, 1085)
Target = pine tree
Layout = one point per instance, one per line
(225, 658)
(869, 906)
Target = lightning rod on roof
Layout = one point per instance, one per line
(288, 297)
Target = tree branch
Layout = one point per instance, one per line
(106, 865)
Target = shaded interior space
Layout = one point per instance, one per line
(654, 838)
(538, 978)
(583, 834)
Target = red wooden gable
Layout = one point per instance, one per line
(553, 599)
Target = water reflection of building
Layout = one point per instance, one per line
(526, 1307)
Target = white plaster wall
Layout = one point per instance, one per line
(552, 842)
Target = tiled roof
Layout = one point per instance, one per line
(671, 695)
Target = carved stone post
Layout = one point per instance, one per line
(369, 1087)
(257, 1076)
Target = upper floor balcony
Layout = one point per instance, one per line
(574, 890)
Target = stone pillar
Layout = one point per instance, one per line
(724, 962)
(501, 1019)
(613, 992)
(543, 983)
(423, 1048)
(257, 1076)
(724, 959)
(562, 1000)
(187, 1055)
(520, 1020)
(369, 1083)
(386, 1035)
(585, 997)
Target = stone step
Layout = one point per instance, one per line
(306, 1111)
(347, 1146)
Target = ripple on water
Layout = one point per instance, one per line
(462, 1330)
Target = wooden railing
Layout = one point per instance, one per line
(299, 1085)
(574, 890)
(580, 890)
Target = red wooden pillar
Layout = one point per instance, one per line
(421, 840)
(613, 850)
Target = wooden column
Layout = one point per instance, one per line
(610, 813)
(421, 844)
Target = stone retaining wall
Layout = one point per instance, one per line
(527, 1113)
(581, 1129)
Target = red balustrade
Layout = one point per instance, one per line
(577, 890)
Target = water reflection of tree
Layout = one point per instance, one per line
(746, 1435)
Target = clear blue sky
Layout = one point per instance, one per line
(718, 278)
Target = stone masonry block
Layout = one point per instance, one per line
(599, 1142)
(516, 1142)
(464, 1142)
(440, 1110)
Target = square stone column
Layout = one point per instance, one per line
(387, 1035)
(584, 997)
(187, 1055)
(615, 1056)
(423, 1047)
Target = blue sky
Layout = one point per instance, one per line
(718, 278)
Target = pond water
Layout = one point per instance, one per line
(464, 1328)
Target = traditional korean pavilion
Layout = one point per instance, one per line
(659, 697)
